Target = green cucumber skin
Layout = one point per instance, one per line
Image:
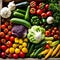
(40, 45)
(27, 13)
(21, 21)
(20, 11)
(38, 51)
(19, 15)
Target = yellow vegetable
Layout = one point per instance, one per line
(14, 45)
(20, 47)
(58, 53)
(49, 42)
(44, 52)
(26, 40)
(24, 44)
(25, 50)
(56, 50)
(49, 53)
(17, 50)
(20, 41)
(16, 40)
(12, 50)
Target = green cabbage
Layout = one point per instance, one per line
(36, 34)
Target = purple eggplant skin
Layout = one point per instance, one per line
(19, 31)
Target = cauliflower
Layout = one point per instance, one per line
(36, 34)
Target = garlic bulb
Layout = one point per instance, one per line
(50, 20)
(5, 12)
(11, 5)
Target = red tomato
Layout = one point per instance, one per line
(6, 23)
(49, 13)
(2, 34)
(3, 26)
(43, 15)
(3, 41)
(32, 4)
(33, 11)
(47, 46)
(55, 28)
(3, 47)
(15, 56)
(7, 37)
(41, 5)
(12, 38)
(10, 56)
(39, 11)
(9, 44)
(9, 33)
(46, 6)
(47, 33)
(52, 34)
(53, 31)
(57, 32)
(21, 54)
(56, 37)
(3, 55)
(37, 7)
(6, 30)
(9, 27)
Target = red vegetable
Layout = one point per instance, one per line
(43, 15)
(3, 55)
(56, 37)
(55, 28)
(9, 33)
(2, 34)
(57, 32)
(3, 26)
(47, 33)
(9, 27)
(15, 56)
(33, 11)
(46, 6)
(12, 38)
(3, 41)
(32, 4)
(6, 30)
(7, 37)
(49, 13)
(47, 46)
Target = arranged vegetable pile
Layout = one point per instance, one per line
(30, 30)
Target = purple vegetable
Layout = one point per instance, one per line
(19, 30)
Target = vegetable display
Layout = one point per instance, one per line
(30, 30)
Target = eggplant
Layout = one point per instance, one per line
(22, 4)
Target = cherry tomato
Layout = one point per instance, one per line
(49, 13)
(43, 15)
(9, 27)
(47, 33)
(56, 37)
(55, 28)
(52, 34)
(39, 11)
(33, 11)
(53, 31)
(6, 30)
(37, 7)
(47, 46)
(46, 6)
(7, 37)
(6, 23)
(15, 56)
(12, 38)
(3, 26)
(2, 34)
(21, 54)
(3, 55)
(3, 41)
(3, 47)
(9, 33)
(49, 30)
(57, 32)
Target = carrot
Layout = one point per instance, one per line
(56, 49)
(49, 53)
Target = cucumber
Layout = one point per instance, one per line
(28, 45)
(38, 51)
(49, 38)
(40, 44)
(27, 13)
(30, 50)
(21, 21)
(19, 15)
(20, 11)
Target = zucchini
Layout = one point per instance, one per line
(20, 11)
(21, 21)
(38, 51)
(28, 45)
(30, 50)
(19, 15)
(40, 44)
(27, 13)
(22, 4)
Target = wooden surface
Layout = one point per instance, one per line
(24, 58)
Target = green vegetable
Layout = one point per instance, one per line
(19, 15)
(55, 43)
(30, 50)
(35, 20)
(49, 38)
(20, 11)
(40, 44)
(43, 20)
(28, 45)
(21, 21)
(38, 51)
(36, 34)
(27, 13)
